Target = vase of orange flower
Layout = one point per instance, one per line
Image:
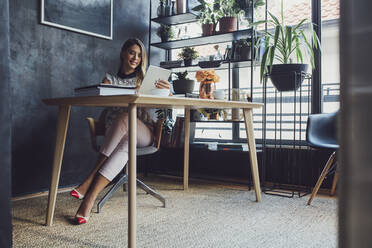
(208, 80)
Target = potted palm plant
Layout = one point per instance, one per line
(282, 46)
(165, 32)
(208, 17)
(183, 84)
(188, 54)
(228, 10)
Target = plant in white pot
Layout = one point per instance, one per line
(228, 10)
(208, 16)
(282, 46)
(183, 84)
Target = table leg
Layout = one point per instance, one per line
(62, 125)
(248, 120)
(186, 149)
(132, 175)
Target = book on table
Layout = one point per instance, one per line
(105, 90)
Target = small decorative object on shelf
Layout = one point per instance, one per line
(173, 8)
(180, 7)
(188, 54)
(165, 32)
(212, 114)
(210, 64)
(207, 79)
(170, 64)
(168, 8)
(161, 8)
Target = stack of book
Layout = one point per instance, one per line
(105, 90)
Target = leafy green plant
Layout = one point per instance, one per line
(165, 31)
(285, 42)
(243, 43)
(182, 75)
(227, 8)
(208, 12)
(188, 53)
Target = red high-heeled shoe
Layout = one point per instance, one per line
(76, 194)
(81, 219)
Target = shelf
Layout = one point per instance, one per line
(223, 66)
(176, 19)
(204, 40)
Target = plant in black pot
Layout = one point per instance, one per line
(281, 46)
(183, 84)
(242, 49)
(165, 32)
(188, 54)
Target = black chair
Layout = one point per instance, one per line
(97, 128)
(321, 133)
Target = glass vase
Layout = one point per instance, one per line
(206, 90)
(161, 10)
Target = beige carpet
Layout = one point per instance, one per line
(207, 215)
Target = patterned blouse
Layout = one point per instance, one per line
(113, 112)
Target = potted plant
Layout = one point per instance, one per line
(228, 10)
(165, 32)
(183, 84)
(208, 17)
(188, 54)
(285, 43)
(242, 49)
(246, 6)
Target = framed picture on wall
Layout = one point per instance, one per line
(91, 17)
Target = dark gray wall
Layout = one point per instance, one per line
(355, 204)
(5, 130)
(49, 62)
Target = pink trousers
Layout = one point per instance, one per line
(115, 145)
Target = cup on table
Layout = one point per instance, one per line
(219, 94)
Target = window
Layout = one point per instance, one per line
(330, 86)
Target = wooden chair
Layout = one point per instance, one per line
(97, 128)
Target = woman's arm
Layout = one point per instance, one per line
(162, 84)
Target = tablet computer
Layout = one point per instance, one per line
(153, 74)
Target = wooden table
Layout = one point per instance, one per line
(132, 102)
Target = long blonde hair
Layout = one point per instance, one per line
(141, 69)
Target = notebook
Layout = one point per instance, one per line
(105, 90)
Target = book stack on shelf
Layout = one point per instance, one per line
(105, 90)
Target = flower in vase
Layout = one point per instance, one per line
(207, 79)
(207, 76)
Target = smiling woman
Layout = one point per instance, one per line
(88, 17)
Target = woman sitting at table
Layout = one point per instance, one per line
(114, 151)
